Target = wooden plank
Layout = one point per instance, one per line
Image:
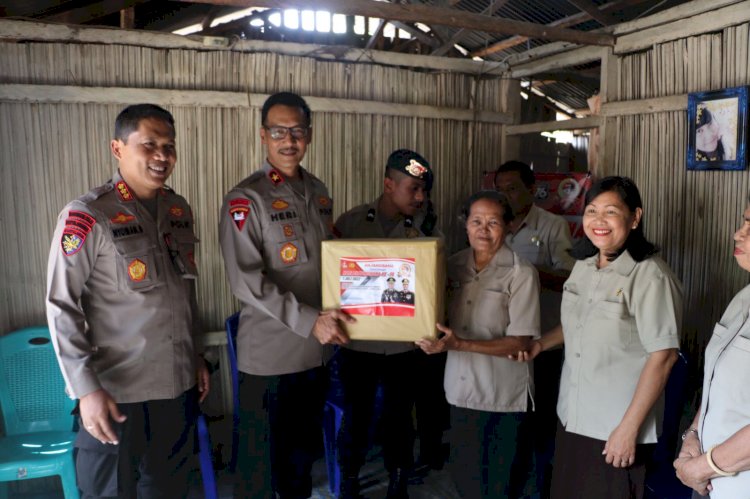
(429, 14)
(15, 30)
(204, 98)
(92, 11)
(550, 126)
(418, 34)
(707, 22)
(494, 6)
(645, 106)
(571, 58)
(127, 18)
(677, 13)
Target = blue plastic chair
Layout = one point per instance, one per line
(232, 324)
(36, 412)
(661, 481)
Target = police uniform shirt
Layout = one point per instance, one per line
(121, 295)
(362, 222)
(544, 239)
(500, 300)
(612, 319)
(270, 239)
(725, 407)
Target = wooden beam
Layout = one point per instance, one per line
(707, 22)
(50, 94)
(375, 36)
(13, 31)
(677, 13)
(429, 14)
(592, 10)
(645, 106)
(127, 18)
(565, 22)
(574, 57)
(490, 10)
(93, 11)
(551, 126)
(416, 33)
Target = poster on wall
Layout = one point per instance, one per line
(561, 193)
(717, 129)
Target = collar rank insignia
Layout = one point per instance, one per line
(122, 218)
(176, 211)
(324, 201)
(275, 177)
(279, 204)
(238, 211)
(288, 253)
(371, 215)
(137, 270)
(123, 191)
(415, 169)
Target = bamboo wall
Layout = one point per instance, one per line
(692, 215)
(51, 153)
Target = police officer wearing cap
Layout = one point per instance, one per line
(402, 211)
(123, 318)
(405, 295)
(390, 295)
(270, 230)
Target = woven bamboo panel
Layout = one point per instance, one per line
(52, 153)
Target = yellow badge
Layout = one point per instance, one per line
(137, 270)
(280, 204)
(288, 253)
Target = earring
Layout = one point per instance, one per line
(635, 225)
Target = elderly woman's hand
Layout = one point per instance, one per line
(449, 341)
(694, 472)
(535, 348)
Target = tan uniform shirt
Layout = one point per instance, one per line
(725, 408)
(121, 295)
(612, 320)
(362, 222)
(270, 238)
(544, 240)
(500, 300)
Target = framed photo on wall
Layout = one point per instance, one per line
(717, 129)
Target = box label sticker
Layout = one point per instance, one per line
(378, 286)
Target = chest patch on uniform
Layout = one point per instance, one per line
(123, 191)
(122, 218)
(288, 253)
(284, 215)
(324, 201)
(238, 211)
(179, 224)
(288, 230)
(280, 204)
(275, 177)
(176, 211)
(137, 270)
(77, 227)
(127, 231)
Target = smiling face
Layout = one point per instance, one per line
(147, 158)
(742, 242)
(286, 153)
(485, 226)
(607, 222)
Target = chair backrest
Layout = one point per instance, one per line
(32, 389)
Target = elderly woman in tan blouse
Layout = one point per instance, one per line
(493, 311)
(621, 315)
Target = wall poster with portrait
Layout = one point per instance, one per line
(717, 129)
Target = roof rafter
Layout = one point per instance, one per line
(429, 14)
(592, 10)
(490, 10)
(93, 11)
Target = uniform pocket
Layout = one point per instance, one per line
(185, 254)
(136, 264)
(742, 343)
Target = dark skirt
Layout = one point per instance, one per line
(580, 471)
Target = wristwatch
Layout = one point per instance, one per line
(689, 431)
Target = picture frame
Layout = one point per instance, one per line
(717, 129)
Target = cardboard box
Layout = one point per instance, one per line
(394, 287)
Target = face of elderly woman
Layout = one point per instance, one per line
(485, 226)
(607, 222)
(742, 242)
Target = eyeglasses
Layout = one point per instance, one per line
(280, 132)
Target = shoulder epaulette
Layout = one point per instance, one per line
(97, 192)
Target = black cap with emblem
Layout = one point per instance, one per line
(412, 164)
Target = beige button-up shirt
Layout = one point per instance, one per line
(121, 295)
(725, 408)
(544, 239)
(612, 319)
(270, 238)
(362, 222)
(500, 300)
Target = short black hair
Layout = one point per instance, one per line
(130, 118)
(494, 196)
(289, 99)
(636, 243)
(524, 170)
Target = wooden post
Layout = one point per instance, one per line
(510, 147)
(607, 135)
(127, 18)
